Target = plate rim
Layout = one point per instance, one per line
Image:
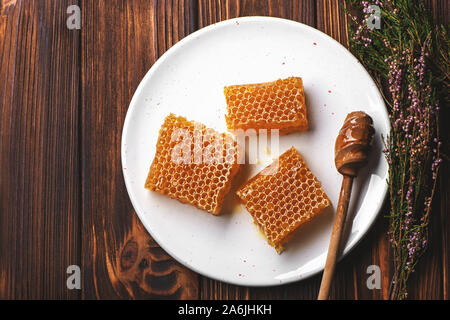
(132, 106)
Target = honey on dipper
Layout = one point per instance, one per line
(283, 197)
(353, 142)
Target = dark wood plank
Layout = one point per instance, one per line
(120, 42)
(430, 281)
(39, 155)
(445, 224)
(439, 9)
(212, 11)
(331, 19)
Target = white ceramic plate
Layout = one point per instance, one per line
(188, 80)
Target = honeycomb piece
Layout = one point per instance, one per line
(272, 105)
(193, 164)
(282, 197)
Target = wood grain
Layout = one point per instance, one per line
(212, 11)
(332, 20)
(120, 41)
(445, 225)
(39, 155)
(63, 98)
(430, 281)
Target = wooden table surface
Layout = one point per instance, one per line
(63, 99)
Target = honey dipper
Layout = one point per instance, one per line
(351, 148)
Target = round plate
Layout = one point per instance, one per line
(188, 80)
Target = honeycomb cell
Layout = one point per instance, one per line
(188, 177)
(299, 202)
(271, 105)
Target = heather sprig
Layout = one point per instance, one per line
(408, 57)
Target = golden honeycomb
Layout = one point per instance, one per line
(193, 164)
(282, 197)
(271, 105)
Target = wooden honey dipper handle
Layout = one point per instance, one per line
(352, 145)
(336, 235)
